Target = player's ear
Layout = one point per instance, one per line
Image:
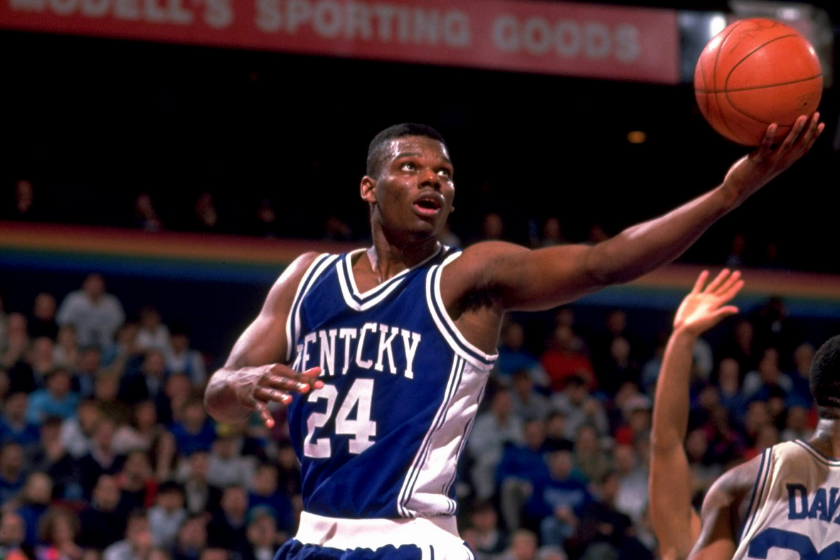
(367, 188)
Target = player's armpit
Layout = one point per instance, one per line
(723, 511)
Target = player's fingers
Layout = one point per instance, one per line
(313, 374)
(698, 284)
(767, 142)
(728, 282)
(795, 133)
(272, 394)
(265, 416)
(818, 129)
(724, 312)
(732, 291)
(714, 284)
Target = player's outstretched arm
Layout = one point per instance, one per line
(255, 373)
(675, 522)
(517, 278)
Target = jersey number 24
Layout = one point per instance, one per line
(360, 430)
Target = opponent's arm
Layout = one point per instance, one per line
(674, 520)
(255, 373)
(517, 278)
(724, 512)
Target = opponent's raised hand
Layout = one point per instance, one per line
(703, 307)
(256, 387)
(771, 158)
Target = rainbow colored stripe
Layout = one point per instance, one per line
(199, 257)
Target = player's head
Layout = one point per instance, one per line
(380, 147)
(408, 184)
(825, 378)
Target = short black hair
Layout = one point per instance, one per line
(825, 378)
(378, 146)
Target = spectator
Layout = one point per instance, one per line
(137, 542)
(77, 431)
(12, 537)
(42, 322)
(580, 408)
(58, 531)
(523, 546)
(797, 425)
(264, 222)
(760, 384)
(40, 358)
(491, 431)
(801, 392)
(11, 471)
(24, 209)
(148, 383)
(167, 515)
(590, 459)
(163, 455)
(227, 528)
(13, 355)
(740, 346)
(52, 458)
(14, 425)
(55, 400)
(102, 459)
(195, 431)
(737, 251)
(520, 465)
(205, 215)
(262, 535)
(227, 465)
(289, 470)
(605, 532)
(35, 499)
(152, 334)
(528, 404)
(490, 540)
(89, 366)
(552, 233)
(557, 501)
(729, 385)
(170, 403)
(145, 216)
(555, 432)
(104, 522)
(124, 355)
(266, 493)
(637, 417)
(137, 485)
(95, 314)
(632, 497)
(143, 430)
(182, 359)
(106, 393)
(66, 350)
(192, 538)
(201, 496)
(563, 358)
(513, 356)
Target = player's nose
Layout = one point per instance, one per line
(428, 178)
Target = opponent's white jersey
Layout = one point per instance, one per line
(794, 510)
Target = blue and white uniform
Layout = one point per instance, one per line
(379, 443)
(794, 509)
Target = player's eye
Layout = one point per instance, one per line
(445, 173)
(408, 166)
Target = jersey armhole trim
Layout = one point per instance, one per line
(817, 454)
(447, 327)
(757, 491)
(293, 320)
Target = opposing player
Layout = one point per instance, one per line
(788, 498)
(393, 344)
(675, 522)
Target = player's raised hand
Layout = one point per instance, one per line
(703, 307)
(256, 387)
(752, 172)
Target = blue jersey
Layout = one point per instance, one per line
(382, 438)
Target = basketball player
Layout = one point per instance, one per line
(390, 347)
(788, 498)
(675, 522)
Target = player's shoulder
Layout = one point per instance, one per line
(282, 292)
(475, 259)
(737, 481)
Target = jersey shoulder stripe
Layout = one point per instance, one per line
(447, 327)
(760, 480)
(318, 266)
(816, 454)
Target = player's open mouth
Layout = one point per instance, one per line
(428, 205)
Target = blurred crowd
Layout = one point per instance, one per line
(107, 453)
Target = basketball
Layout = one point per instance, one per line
(754, 73)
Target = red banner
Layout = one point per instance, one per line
(585, 40)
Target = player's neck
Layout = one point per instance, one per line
(388, 259)
(826, 438)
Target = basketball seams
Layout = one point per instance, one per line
(752, 52)
(725, 91)
(715, 78)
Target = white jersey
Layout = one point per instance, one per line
(794, 507)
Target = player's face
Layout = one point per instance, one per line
(414, 191)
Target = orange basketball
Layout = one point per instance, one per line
(754, 73)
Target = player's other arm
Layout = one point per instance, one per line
(674, 520)
(724, 512)
(518, 278)
(255, 373)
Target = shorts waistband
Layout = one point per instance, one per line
(375, 533)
